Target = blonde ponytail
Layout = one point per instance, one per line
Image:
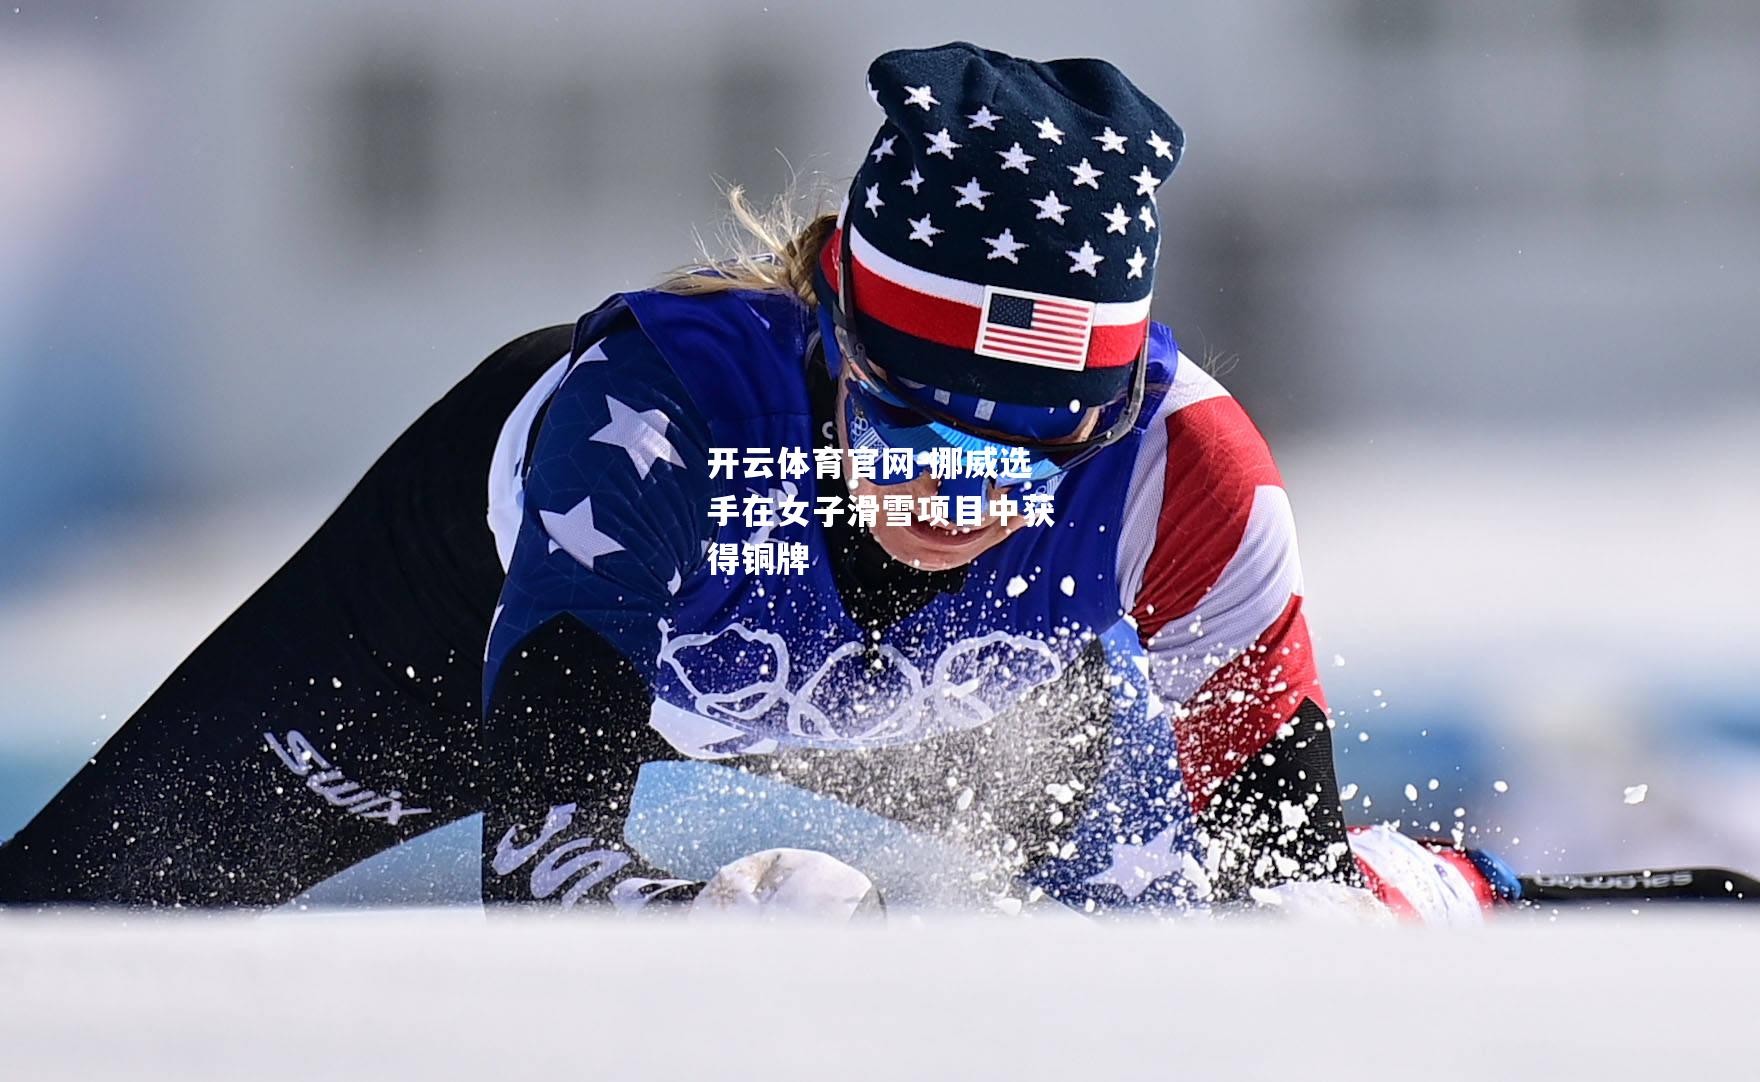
(774, 248)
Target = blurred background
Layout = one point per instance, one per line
(1487, 276)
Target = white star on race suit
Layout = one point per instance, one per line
(1163, 148)
(884, 149)
(942, 143)
(874, 202)
(1086, 259)
(1086, 174)
(1136, 264)
(1145, 182)
(642, 433)
(1048, 131)
(920, 95)
(673, 583)
(1003, 246)
(1111, 140)
(924, 230)
(1116, 219)
(1049, 207)
(1147, 217)
(983, 118)
(1135, 868)
(914, 181)
(1015, 158)
(575, 534)
(972, 194)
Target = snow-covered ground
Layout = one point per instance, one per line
(430, 995)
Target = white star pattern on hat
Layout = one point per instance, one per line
(1117, 221)
(1049, 207)
(914, 181)
(1086, 259)
(1146, 182)
(942, 143)
(920, 95)
(1136, 264)
(1016, 158)
(1147, 217)
(885, 148)
(983, 118)
(872, 93)
(971, 194)
(1049, 131)
(1004, 246)
(924, 230)
(1086, 174)
(874, 202)
(1111, 140)
(1163, 148)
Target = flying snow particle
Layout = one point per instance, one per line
(1068, 586)
(965, 799)
(1349, 792)
(1017, 586)
(1635, 794)
(336, 682)
(1411, 791)
(1338, 661)
(409, 671)
(1432, 784)
(1500, 785)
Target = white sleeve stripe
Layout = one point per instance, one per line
(1253, 590)
(1148, 479)
(507, 496)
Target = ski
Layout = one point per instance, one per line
(1649, 885)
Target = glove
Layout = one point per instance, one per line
(1430, 881)
(790, 883)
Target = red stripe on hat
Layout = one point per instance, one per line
(953, 323)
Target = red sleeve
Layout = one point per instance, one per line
(1219, 605)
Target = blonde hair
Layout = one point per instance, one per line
(771, 248)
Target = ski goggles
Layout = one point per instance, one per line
(878, 419)
(889, 416)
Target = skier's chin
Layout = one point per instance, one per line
(930, 547)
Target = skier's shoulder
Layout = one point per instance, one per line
(736, 352)
(1197, 435)
(1206, 513)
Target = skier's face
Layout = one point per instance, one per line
(922, 543)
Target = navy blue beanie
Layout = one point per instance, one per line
(1002, 227)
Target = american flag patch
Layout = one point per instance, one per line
(1035, 328)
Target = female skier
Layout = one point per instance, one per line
(1044, 606)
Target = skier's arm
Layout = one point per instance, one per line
(614, 522)
(1219, 609)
